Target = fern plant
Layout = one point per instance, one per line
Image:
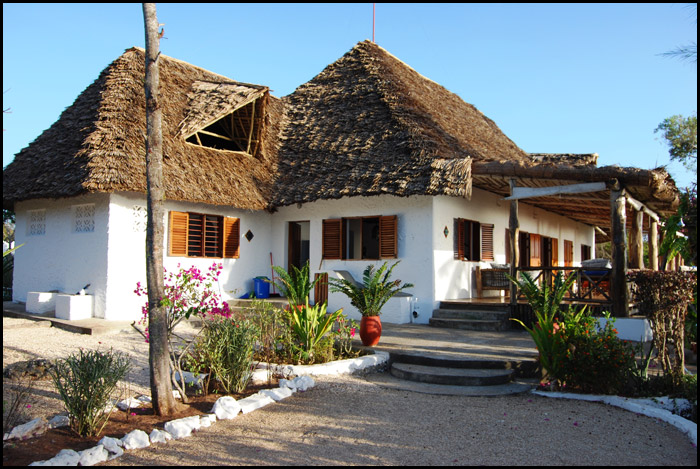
(375, 291)
(296, 284)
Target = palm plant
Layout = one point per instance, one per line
(376, 289)
(294, 285)
(546, 304)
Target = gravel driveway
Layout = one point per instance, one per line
(348, 420)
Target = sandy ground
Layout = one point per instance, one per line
(347, 420)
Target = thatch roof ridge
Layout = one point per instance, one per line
(586, 159)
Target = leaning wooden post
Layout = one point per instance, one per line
(514, 227)
(636, 243)
(653, 244)
(618, 287)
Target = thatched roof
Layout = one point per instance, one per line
(366, 125)
(98, 143)
(369, 124)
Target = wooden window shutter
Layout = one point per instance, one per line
(332, 236)
(555, 252)
(177, 233)
(507, 246)
(486, 242)
(232, 237)
(388, 248)
(321, 288)
(460, 239)
(535, 250)
(568, 253)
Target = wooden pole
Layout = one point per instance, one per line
(514, 230)
(636, 243)
(653, 244)
(618, 217)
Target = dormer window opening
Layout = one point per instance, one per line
(239, 131)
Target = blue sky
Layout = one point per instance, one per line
(555, 78)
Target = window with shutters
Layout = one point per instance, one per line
(368, 238)
(202, 235)
(468, 240)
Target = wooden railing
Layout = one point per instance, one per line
(590, 285)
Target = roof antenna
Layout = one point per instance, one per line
(374, 7)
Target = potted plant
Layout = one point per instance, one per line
(294, 285)
(369, 298)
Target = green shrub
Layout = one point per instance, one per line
(310, 324)
(85, 382)
(596, 360)
(225, 351)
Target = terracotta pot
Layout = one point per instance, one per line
(370, 330)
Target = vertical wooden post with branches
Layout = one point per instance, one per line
(163, 400)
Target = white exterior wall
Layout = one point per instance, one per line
(112, 256)
(414, 242)
(127, 258)
(60, 258)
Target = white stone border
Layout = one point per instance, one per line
(648, 407)
(224, 408)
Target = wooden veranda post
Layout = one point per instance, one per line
(618, 217)
(514, 230)
(636, 243)
(653, 244)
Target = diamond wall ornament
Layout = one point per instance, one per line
(249, 235)
(447, 232)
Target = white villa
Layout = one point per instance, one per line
(368, 162)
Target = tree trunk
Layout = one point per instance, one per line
(159, 359)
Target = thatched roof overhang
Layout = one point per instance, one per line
(654, 188)
(98, 143)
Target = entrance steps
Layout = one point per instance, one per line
(465, 376)
(471, 316)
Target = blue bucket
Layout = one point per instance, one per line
(262, 287)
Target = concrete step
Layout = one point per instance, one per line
(451, 376)
(461, 305)
(388, 381)
(470, 324)
(521, 367)
(445, 313)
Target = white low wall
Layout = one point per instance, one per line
(636, 329)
